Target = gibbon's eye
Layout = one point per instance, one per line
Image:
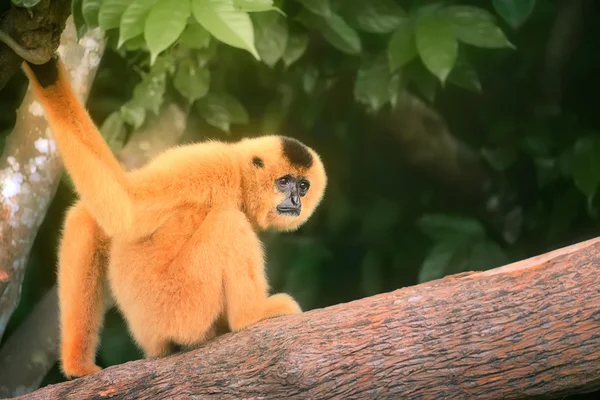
(303, 186)
(283, 182)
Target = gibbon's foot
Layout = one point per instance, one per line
(281, 304)
(72, 372)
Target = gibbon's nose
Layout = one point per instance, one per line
(295, 199)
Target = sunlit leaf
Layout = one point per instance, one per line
(164, 24)
(133, 114)
(401, 47)
(475, 26)
(110, 13)
(319, 7)
(375, 16)
(191, 81)
(442, 227)
(194, 36)
(133, 19)
(296, 46)
(226, 23)
(436, 44)
(337, 32)
(90, 10)
(221, 110)
(514, 12)
(271, 36)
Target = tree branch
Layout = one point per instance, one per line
(30, 168)
(30, 352)
(525, 330)
(36, 30)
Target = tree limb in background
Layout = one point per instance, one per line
(30, 168)
(30, 352)
(427, 144)
(563, 41)
(37, 30)
(525, 330)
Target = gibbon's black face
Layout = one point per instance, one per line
(294, 187)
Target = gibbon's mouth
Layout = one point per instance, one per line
(293, 211)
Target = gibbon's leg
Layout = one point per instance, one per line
(245, 282)
(82, 262)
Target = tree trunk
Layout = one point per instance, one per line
(525, 330)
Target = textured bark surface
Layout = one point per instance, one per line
(526, 330)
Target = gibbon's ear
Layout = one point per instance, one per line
(97, 175)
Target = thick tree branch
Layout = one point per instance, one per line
(37, 30)
(426, 143)
(525, 330)
(30, 168)
(30, 352)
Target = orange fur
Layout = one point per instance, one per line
(175, 239)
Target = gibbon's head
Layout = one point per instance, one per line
(283, 181)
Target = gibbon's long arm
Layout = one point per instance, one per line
(97, 175)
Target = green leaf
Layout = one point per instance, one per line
(464, 75)
(164, 24)
(401, 47)
(254, 5)
(585, 164)
(319, 7)
(192, 82)
(373, 83)
(335, 30)
(475, 26)
(296, 46)
(90, 10)
(110, 13)
(444, 258)
(78, 20)
(271, 36)
(442, 227)
(486, 255)
(374, 16)
(25, 3)
(133, 19)
(436, 44)
(514, 12)
(194, 36)
(226, 23)
(113, 130)
(221, 110)
(309, 78)
(133, 114)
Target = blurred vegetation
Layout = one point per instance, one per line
(325, 71)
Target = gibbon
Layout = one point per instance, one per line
(176, 239)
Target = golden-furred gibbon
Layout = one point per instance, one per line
(176, 239)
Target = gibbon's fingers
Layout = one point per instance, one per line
(96, 173)
(82, 259)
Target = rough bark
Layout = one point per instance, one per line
(426, 143)
(525, 330)
(37, 30)
(30, 168)
(29, 353)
